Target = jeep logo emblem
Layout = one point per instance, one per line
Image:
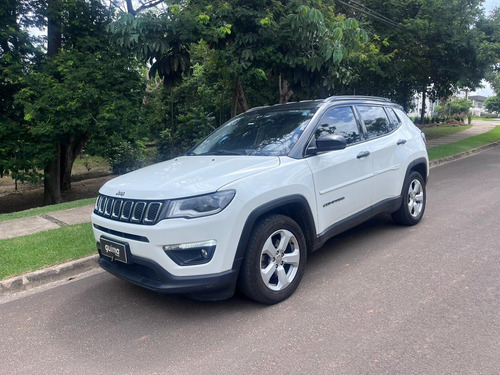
(120, 193)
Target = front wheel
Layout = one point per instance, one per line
(275, 260)
(414, 199)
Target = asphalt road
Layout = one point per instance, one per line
(380, 299)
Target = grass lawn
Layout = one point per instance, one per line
(443, 131)
(467, 144)
(90, 164)
(36, 251)
(46, 209)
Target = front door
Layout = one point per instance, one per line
(343, 179)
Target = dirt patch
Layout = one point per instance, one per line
(30, 195)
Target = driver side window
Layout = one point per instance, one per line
(339, 121)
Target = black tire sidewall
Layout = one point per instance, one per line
(250, 281)
(403, 216)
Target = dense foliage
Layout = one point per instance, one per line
(458, 106)
(108, 77)
(492, 104)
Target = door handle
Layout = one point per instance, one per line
(401, 142)
(363, 154)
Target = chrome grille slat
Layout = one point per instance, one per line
(97, 203)
(117, 209)
(138, 212)
(152, 212)
(128, 210)
(108, 204)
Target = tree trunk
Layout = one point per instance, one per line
(239, 99)
(442, 112)
(54, 36)
(422, 113)
(285, 92)
(130, 7)
(51, 181)
(234, 104)
(221, 111)
(69, 152)
(52, 178)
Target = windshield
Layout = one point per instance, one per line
(270, 133)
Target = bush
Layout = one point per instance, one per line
(459, 116)
(126, 156)
(492, 104)
(458, 106)
(190, 129)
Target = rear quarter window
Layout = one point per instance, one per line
(394, 120)
(375, 120)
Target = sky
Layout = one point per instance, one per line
(489, 5)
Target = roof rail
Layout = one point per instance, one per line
(357, 97)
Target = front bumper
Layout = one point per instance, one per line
(148, 274)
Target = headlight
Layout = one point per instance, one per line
(202, 205)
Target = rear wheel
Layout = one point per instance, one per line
(414, 199)
(275, 260)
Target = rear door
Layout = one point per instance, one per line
(386, 142)
(343, 179)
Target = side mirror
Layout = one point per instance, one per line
(330, 142)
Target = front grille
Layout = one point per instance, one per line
(129, 210)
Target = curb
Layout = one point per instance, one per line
(47, 275)
(59, 272)
(462, 155)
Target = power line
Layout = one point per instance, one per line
(371, 13)
(377, 14)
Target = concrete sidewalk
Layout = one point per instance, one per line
(40, 223)
(478, 127)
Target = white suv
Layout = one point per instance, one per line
(248, 204)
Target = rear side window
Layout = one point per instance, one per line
(393, 118)
(339, 121)
(375, 120)
(403, 117)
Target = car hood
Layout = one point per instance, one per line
(186, 176)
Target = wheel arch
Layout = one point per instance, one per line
(294, 206)
(419, 165)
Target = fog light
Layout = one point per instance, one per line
(190, 254)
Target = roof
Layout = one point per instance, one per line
(478, 98)
(310, 104)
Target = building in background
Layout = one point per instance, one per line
(477, 104)
(430, 106)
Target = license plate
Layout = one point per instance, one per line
(114, 250)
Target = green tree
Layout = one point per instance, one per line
(490, 26)
(457, 106)
(304, 44)
(436, 45)
(16, 48)
(80, 95)
(82, 90)
(309, 47)
(492, 104)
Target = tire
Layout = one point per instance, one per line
(275, 260)
(413, 203)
